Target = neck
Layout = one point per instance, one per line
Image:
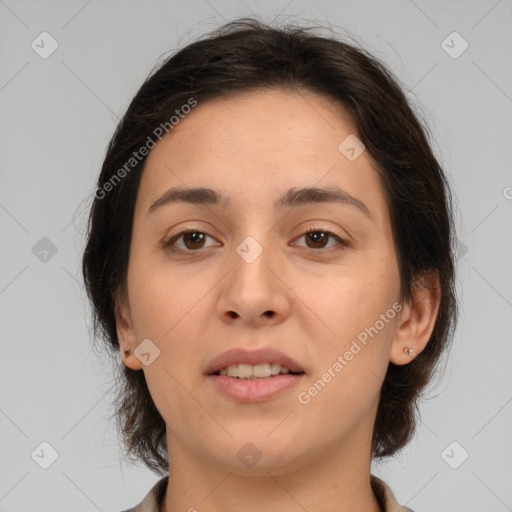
(341, 477)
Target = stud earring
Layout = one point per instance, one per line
(409, 351)
(127, 351)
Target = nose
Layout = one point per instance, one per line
(254, 293)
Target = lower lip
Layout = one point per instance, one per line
(253, 391)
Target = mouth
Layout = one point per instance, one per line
(264, 363)
(254, 376)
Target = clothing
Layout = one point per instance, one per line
(153, 499)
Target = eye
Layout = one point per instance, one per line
(193, 239)
(317, 238)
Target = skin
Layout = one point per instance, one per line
(253, 147)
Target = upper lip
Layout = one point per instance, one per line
(253, 357)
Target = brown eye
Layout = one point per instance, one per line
(318, 238)
(191, 240)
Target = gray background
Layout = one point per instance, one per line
(58, 114)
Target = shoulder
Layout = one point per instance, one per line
(153, 499)
(385, 495)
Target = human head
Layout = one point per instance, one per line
(245, 57)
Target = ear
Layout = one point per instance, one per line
(417, 319)
(125, 331)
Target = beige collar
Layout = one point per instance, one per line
(154, 498)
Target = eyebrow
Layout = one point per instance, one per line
(292, 197)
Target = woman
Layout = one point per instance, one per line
(270, 252)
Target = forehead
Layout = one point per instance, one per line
(257, 144)
(268, 115)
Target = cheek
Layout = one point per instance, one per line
(352, 304)
(156, 296)
(352, 362)
(166, 308)
(359, 313)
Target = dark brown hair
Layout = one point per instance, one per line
(246, 55)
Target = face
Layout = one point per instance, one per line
(316, 280)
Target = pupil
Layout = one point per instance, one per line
(194, 235)
(317, 236)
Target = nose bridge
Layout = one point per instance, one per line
(253, 290)
(253, 256)
(253, 249)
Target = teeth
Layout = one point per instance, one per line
(277, 368)
(258, 371)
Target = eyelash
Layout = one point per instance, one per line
(168, 242)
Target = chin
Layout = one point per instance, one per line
(254, 453)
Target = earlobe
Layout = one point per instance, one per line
(129, 359)
(126, 335)
(417, 321)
